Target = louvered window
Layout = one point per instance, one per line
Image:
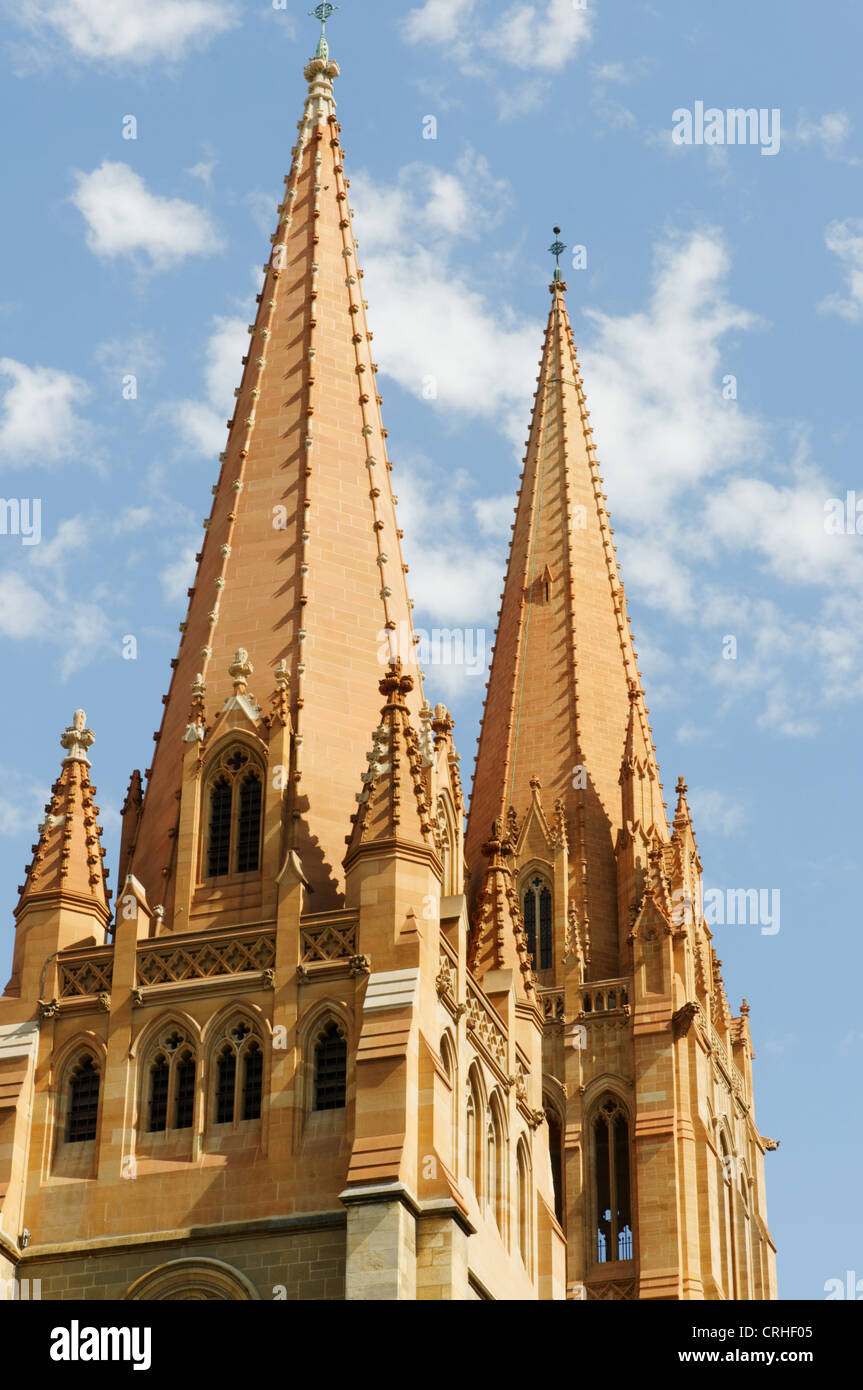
(83, 1103)
(331, 1062)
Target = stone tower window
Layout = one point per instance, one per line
(613, 1216)
(172, 1084)
(524, 1208)
(331, 1068)
(83, 1102)
(536, 905)
(234, 800)
(555, 1149)
(239, 1076)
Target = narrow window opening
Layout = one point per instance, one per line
(160, 1074)
(226, 1068)
(253, 1078)
(611, 1184)
(555, 1146)
(331, 1061)
(83, 1103)
(185, 1110)
(249, 827)
(218, 857)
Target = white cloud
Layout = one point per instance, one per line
(546, 37)
(178, 576)
(845, 240)
(715, 813)
(829, 132)
(438, 335)
(202, 423)
(23, 611)
(494, 515)
(22, 802)
(118, 357)
(134, 32)
(203, 170)
(430, 205)
(438, 21)
(71, 537)
(39, 420)
(125, 219)
(654, 379)
(542, 37)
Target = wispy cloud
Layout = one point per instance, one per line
(40, 420)
(135, 33)
(845, 240)
(125, 219)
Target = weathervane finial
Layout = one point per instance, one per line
(557, 249)
(323, 13)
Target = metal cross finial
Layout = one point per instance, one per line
(323, 13)
(557, 249)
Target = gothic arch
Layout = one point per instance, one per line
(449, 1060)
(85, 1049)
(497, 1165)
(232, 801)
(610, 1205)
(524, 1205)
(193, 1280)
(449, 848)
(475, 1129)
(536, 901)
(143, 1041)
(175, 1037)
(236, 1059)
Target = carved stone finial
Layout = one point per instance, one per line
(195, 729)
(240, 670)
(77, 739)
(396, 685)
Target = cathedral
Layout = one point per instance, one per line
(337, 1035)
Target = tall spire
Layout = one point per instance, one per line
(558, 706)
(301, 565)
(67, 861)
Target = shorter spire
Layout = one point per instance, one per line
(67, 861)
(498, 940)
(393, 805)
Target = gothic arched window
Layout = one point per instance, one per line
(331, 1068)
(234, 805)
(536, 906)
(171, 1078)
(612, 1209)
(239, 1075)
(496, 1165)
(448, 1058)
(474, 1134)
(555, 1151)
(524, 1207)
(83, 1111)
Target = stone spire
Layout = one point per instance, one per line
(301, 567)
(67, 861)
(393, 807)
(497, 940)
(558, 706)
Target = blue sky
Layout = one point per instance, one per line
(139, 258)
